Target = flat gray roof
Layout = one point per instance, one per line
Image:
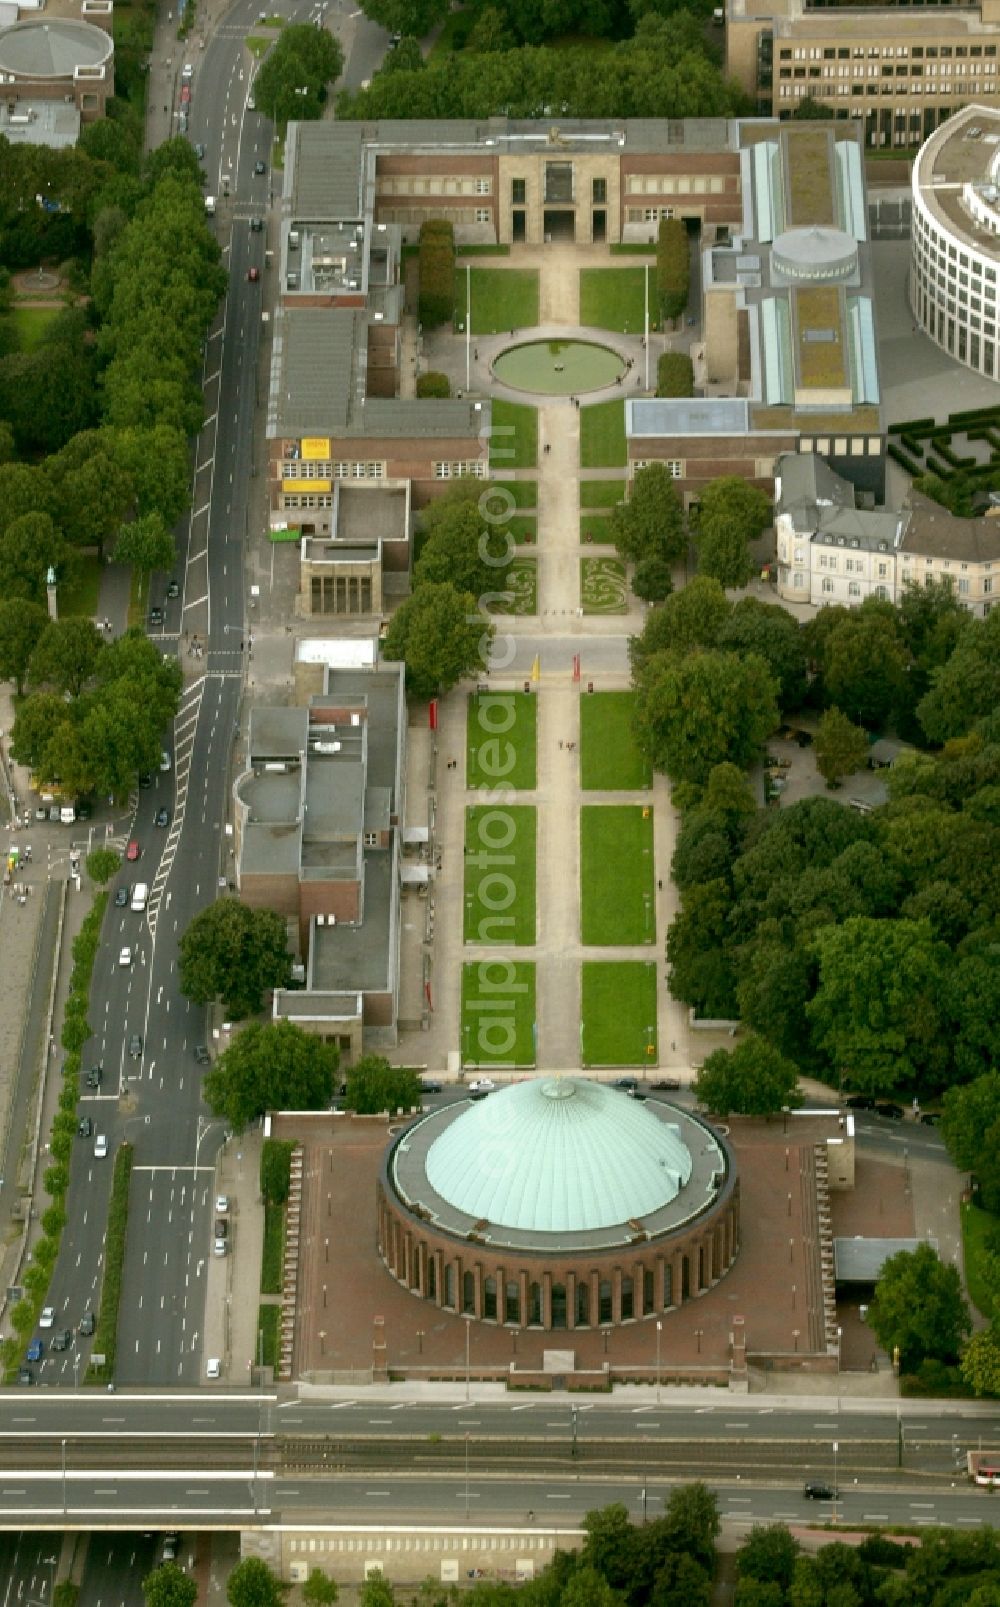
(861, 1260)
(359, 957)
(716, 415)
(325, 178)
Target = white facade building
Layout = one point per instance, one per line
(955, 238)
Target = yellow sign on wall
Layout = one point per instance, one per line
(306, 485)
(315, 447)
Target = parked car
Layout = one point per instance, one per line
(135, 1045)
(930, 1118)
(35, 1350)
(84, 1127)
(428, 1086)
(171, 1542)
(626, 1083)
(221, 1204)
(213, 1367)
(220, 1247)
(88, 1323)
(62, 1340)
(860, 1102)
(482, 1086)
(48, 1317)
(892, 1113)
(25, 1375)
(221, 1228)
(202, 1055)
(666, 1085)
(121, 898)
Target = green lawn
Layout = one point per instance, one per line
(601, 493)
(523, 529)
(977, 1225)
(522, 581)
(481, 251)
(500, 874)
(268, 1327)
(257, 46)
(618, 1013)
(596, 527)
(609, 758)
(602, 435)
(514, 442)
(616, 874)
(274, 1246)
(498, 1014)
(513, 493)
(603, 589)
(614, 298)
(502, 299)
(78, 595)
(31, 324)
(501, 740)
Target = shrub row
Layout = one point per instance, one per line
(106, 1335)
(436, 303)
(674, 375)
(274, 1248)
(911, 444)
(38, 1273)
(912, 426)
(935, 466)
(276, 1169)
(915, 470)
(673, 267)
(976, 415)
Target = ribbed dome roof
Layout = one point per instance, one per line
(558, 1154)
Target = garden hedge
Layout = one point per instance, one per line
(674, 375)
(673, 267)
(434, 384)
(436, 302)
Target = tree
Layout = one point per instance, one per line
(293, 78)
(373, 1086)
(918, 1308)
(864, 665)
(967, 1116)
(966, 688)
(275, 1066)
(695, 616)
(440, 636)
(235, 953)
(414, 17)
(768, 1554)
(65, 1593)
(462, 549)
(102, 864)
(841, 748)
(980, 1362)
(691, 1521)
(252, 1584)
(754, 1079)
(701, 971)
(770, 631)
(609, 1549)
(877, 1010)
(37, 722)
(376, 1592)
(66, 655)
(169, 1586)
(22, 624)
(652, 580)
(146, 544)
(731, 515)
(319, 1589)
(276, 1169)
(29, 547)
(586, 1588)
(651, 523)
(710, 708)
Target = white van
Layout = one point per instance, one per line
(140, 893)
(67, 814)
(210, 206)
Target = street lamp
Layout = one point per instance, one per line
(468, 1341)
(659, 1331)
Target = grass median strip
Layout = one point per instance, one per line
(500, 874)
(498, 1014)
(609, 758)
(106, 1333)
(616, 874)
(501, 740)
(618, 1013)
(514, 438)
(274, 1248)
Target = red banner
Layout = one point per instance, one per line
(432, 714)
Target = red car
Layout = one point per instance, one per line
(133, 850)
(253, 274)
(185, 94)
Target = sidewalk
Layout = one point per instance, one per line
(233, 1291)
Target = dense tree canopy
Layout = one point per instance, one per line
(440, 636)
(919, 1308)
(293, 78)
(841, 746)
(754, 1079)
(732, 514)
(374, 1086)
(708, 708)
(651, 523)
(169, 1586)
(234, 953)
(462, 548)
(275, 1066)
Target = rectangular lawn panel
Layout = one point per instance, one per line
(501, 740)
(615, 298)
(596, 527)
(516, 493)
(522, 528)
(498, 1014)
(616, 874)
(602, 435)
(602, 586)
(601, 493)
(514, 441)
(500, 874)
(609, 758)
(618, 1013)
(502, 299)
(522, 584)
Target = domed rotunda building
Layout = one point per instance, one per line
(558, 1203)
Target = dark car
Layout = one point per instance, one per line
(627, 1083)
(930, 1118)
(892, 1113)
(427, 1086)
(816, 1490)
(121, 898)
(202, 1055)
(173, 589)
(666, 1085)
(84, 1127)
(145, 779)
(94, 1076)
(199, 151)
(135, 1045)
(259, 166)
(860, 1102)
(253, 274)
(156, 616)
(25, 1375)
(637, 1093)
(82, 809)
(257, 225)
(62, 1339)
(163, 817)
(221, 1228)
(88, 1323)
(803, 738)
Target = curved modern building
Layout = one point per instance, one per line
(955, 238)
(558, 1203)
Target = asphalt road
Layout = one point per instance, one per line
(27, 1568)
(115, 1568)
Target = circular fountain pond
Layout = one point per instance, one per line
(558, 367)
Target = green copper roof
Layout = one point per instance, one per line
(554, 1155)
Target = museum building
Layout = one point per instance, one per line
(558, 1203)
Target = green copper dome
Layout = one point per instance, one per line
(557, 1155)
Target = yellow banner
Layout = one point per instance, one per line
(306, 485)
(314, 448)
